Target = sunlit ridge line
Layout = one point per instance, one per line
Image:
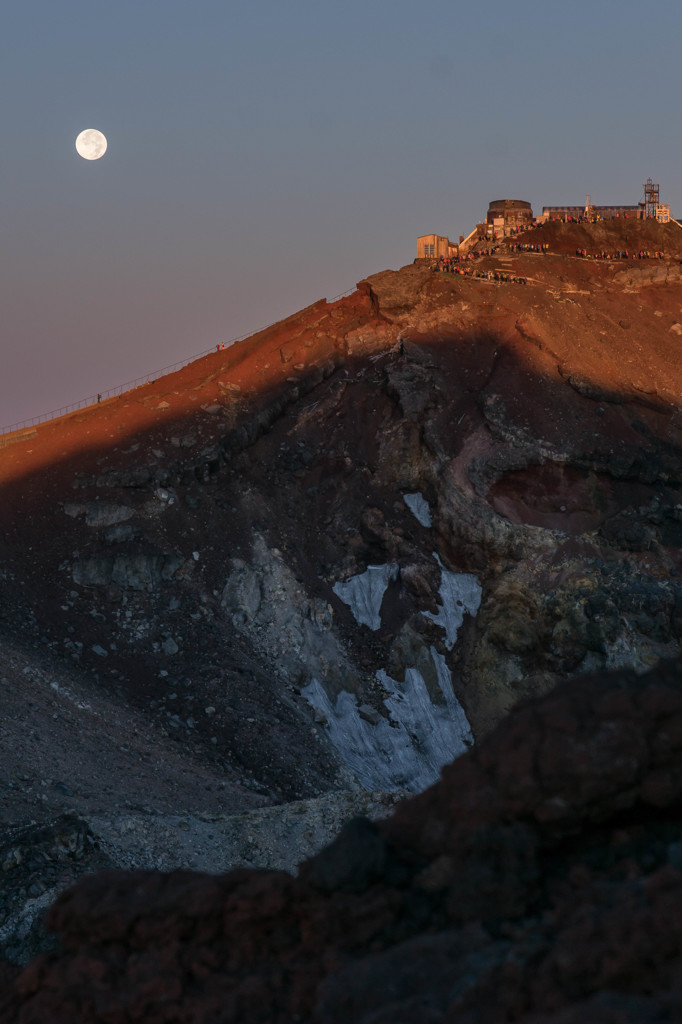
(146, 378)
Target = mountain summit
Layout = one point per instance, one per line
(333, 557)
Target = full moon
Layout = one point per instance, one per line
(91, 144)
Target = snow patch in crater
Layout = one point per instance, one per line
(407, 750)
(365, 592)
(460, 592)
(419, 507)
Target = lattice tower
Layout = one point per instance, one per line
(651, 198)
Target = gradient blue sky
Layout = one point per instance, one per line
(263, 155)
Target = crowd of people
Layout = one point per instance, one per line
(594, 218)
(541, 247)
(461, 265)
(500, 275)
(452, 265)
(519, 229)
(475, 254)
(620, 254)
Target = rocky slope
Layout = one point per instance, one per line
(331, 558)
(540, 880)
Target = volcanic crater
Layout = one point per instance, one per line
(290, 582)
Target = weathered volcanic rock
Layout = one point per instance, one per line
(539, 881)
(332, 557)
(229, 506)
(37, 863)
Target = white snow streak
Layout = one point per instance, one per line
(419, 507)
(460, 592)
(365, 592)
(407, 750)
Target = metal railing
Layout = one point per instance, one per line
(146, 378)
(466, 243)
(100, 396)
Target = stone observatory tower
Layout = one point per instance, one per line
(506, 214)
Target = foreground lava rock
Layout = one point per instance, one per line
(540, 880)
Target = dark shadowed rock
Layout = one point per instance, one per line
(539, 881)
(203, 524)
(355, 859)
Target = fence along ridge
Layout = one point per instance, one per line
(146, 378)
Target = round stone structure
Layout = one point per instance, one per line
(513, 213)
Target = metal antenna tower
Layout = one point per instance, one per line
(651, 198)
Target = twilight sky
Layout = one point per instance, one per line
(264, 155)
